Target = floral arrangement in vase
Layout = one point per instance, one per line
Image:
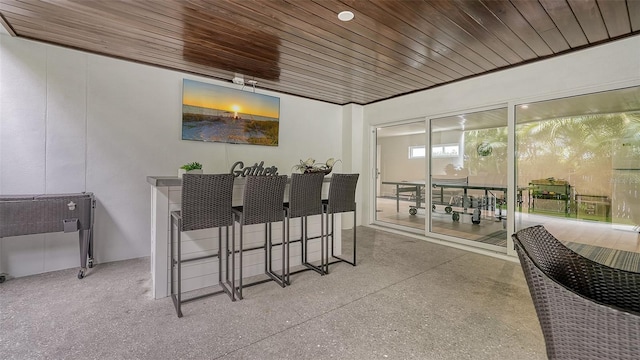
(311, 166)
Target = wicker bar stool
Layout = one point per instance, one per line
(305, 199)
(262, 204)
(206, 203)
(342, 198)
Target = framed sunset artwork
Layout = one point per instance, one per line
(220, 114)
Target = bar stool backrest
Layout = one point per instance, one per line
(206, 201)
(342, 193)
(305, 194)
(263, 197)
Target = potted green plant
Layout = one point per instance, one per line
(191, 168)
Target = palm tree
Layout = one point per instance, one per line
(578, 149)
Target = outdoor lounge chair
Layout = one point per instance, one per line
(586, 310)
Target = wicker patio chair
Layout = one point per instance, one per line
(586, 310)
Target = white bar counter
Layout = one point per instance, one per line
(166, 194)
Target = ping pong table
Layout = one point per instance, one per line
(439, 186)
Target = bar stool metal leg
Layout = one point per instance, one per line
(351, 262)
(280, 279)
(288, 254)
(225, 284)
(326, 260)
(172, 263)
(304, 247)
(177, 295)
(233, 265)
(286, 224)
(267, 252)
(303, 239)
(284, 245)
(220, 256)
(240, 258)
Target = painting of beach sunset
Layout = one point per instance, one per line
(220, 114)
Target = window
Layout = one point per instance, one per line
(416, 152)
(442, 150)
(445, 150)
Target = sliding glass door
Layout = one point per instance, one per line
(576, 164)
(468, 177)
(579, 160)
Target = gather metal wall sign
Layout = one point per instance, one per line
(238, 169)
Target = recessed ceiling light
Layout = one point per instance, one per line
(345, 16)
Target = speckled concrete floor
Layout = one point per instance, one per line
(406, 299)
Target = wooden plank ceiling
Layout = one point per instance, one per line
(300, 47)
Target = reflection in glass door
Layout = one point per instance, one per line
(401, 172)
(579, 160)
(468, 177)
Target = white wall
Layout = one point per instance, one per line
(608, 66)
(72, 122)
(354, 155)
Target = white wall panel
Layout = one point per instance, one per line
(22, 114)
(22, 143)
(66, 121)
(126, 110)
